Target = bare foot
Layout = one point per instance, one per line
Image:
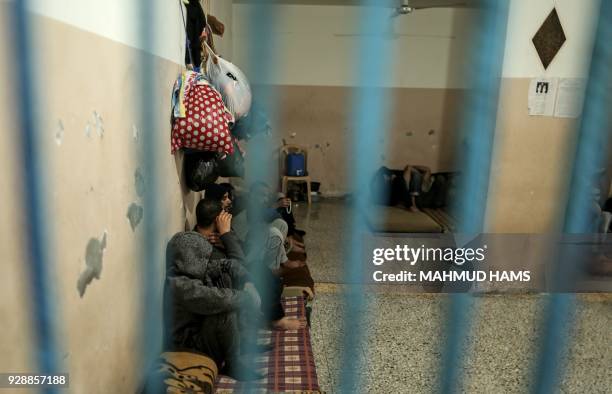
(414, 208)
(295, 242)
(289, 323)
(294, 264)
(297, 249)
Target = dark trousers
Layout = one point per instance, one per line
(270, 288)
(218, 337)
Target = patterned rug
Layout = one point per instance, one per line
(289, 367)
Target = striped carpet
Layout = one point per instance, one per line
(289, 367)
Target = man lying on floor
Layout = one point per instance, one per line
(203, 295)
(227, 245)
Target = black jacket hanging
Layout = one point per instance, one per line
(196, 23)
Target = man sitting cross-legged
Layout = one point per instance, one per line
(202, 296)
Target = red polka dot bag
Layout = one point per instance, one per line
(205, 125)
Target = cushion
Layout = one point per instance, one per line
(400, 220)
(182, 372)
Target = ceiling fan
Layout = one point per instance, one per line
(406, 7)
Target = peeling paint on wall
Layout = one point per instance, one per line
(139, 182)
(59, 132)
(134, 132)
(99, 123)
(94, 252)
(88, 130)
(134, 214)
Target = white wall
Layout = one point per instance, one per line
(118, 20)
(317, 45)
(578, 18)
(223, 10)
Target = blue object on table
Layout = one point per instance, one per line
(296, 164)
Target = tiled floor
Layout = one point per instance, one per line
(404, 332)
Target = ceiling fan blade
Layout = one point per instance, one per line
(422, 4)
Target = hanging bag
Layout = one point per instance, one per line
(205, 124)
(200, 169)
(230, 82)
(232, 165)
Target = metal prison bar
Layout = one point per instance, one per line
(369, 109)
(477, 130)
(38, 238)
(478, 127)
(595, 133)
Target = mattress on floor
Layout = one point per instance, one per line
(288, 367)
(400, 220)
(443, 217)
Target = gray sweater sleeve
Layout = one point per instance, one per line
(233, 249)
(194, 296)
(232, 267)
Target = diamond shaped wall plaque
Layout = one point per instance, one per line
(549, 38)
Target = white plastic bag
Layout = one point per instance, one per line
(231, 83)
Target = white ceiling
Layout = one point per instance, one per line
(383, 3)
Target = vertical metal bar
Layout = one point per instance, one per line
(36, 219)
(595, 132)
(262, 65)
(369, 107)
(478, 130)
(151, 258)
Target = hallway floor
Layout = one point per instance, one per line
(404, 332)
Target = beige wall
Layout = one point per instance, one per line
(422, 124)
(533, 154)
(90, 183)
(532, 165)
(316, 56)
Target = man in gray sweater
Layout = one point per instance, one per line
(203, 293)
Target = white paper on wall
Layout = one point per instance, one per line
(570, 96)
(542, 95)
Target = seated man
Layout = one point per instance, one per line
(202, 295)
(395, 187)
(227, 245)
(417, 180)
(265, 207)
(273, 231)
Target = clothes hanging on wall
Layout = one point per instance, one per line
(195, 26)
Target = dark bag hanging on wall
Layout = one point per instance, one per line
(200, 169)
(232, 165)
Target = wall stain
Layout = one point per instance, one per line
(59, 132)
(88, 130)
(135, 214)
(431, 132)
(134, 132)
(99, 123)
(94, 252)
(139, 182)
